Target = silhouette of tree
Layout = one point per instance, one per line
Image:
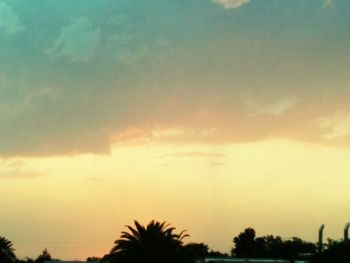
(295, 246)
(247, 245)
(217, 254)
(338, 252)
(7, 254)
(93, 259)
(273, 246)
(197, 251)
(154, 243)
(44, 256)
(26, 260)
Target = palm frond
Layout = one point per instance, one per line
(155, 242)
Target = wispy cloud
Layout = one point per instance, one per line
(77, 41)
(276, 107)
(9, 21)
(329, 3)
(199, 154)
(336, 127)
(15, 174)
(231, 3)
(217, 163)
(17, 170)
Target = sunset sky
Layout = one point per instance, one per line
(212, 115)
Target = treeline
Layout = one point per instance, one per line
(158, 243)
(7, 254)
(246, 244)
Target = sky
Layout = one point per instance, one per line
(212, 115)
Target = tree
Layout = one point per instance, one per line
(93, 259)
(44, 256)
(295, 246)
(7, 254)
(26, 260)
(217, 254)
(337, 251)
(197, 251)
(272, 246)
(200, 251)
(245, 244)
(248, 245)
(154, 243)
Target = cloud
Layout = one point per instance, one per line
(279, 107)
(216, 163)
(336, 127)
(329, 3)
(276, 107)
(126, 46)
(231, 3)
(151, 82)
(302, 121)
(78, 41)
(9, 21)
(199, 154)
(20, 175)
(18, 170)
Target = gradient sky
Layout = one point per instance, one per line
(213, 115)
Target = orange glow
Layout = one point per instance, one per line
(275, 186)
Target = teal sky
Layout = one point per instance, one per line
(76, 73)
(169, 105)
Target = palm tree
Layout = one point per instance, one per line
(155, 243)
(7, 254)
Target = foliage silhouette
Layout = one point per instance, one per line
(294, 247)
(93, 259)
(248, 245)
(44, 256)
(337, 251)
(155, 243)
(245, 244)
(217, 254)
(7, 254)
(26, 260)
(197, 251)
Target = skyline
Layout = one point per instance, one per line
(158, 109)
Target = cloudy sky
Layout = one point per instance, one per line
(214, 115)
